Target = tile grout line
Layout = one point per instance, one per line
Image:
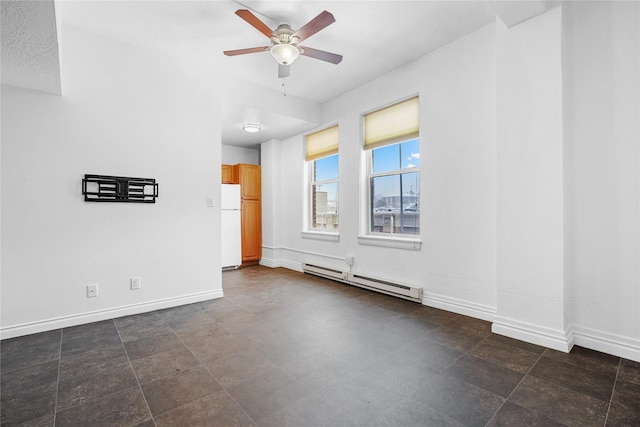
(90, 400)
(613, 390)
(619, 376)
(134, 373)
(55, 406)
(255, 422)
(469, 352)
(515, 388)
(205, 368)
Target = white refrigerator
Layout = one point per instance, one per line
(231, 237)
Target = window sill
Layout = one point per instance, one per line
(391, 242)
(321, 235)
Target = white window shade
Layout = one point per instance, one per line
(395, 123)
(322, 143)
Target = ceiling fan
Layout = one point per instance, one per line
(284, 41)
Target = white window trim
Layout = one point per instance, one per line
(390, 242)
(327, 236)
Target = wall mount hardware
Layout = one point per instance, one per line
(120, 189)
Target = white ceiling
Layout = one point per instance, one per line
(374, 37)
(30, 46)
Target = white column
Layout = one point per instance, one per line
(271, 201)
(530, 258)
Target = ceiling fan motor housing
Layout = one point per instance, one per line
(284, 35)
(283, 42)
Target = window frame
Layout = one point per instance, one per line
(309, 232)
(371, 175)
(366, 236)
(310, 185)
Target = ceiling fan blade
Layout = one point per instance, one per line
(324, 19)
(334, 58)
(283, 71)
(254, 21)
(245, 51)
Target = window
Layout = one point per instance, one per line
(393, 153)
(322, 156)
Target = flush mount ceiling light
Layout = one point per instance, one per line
(251, 127)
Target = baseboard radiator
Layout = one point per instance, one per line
(325, 272)
(372, 283)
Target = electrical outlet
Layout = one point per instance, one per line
(135, 283)
(350, 259)
(92, 291)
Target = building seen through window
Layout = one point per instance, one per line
(392, 144)
(322, 160)
(395, 188)
(324, 194)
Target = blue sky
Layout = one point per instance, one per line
(397, 156)
(392, 157)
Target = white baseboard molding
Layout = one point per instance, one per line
(552, 338)
(285, 263)
(617, 345)
(292, 265)
(271, 263)
(467, 308)
(105, 314)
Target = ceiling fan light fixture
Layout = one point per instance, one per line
(251, 127)
(285, 53)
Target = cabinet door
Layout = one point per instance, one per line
(227, 174)
(250, 180)
(251, 231)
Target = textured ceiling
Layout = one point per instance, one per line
(30, 45)
(373, 36)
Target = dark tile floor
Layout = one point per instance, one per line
(287, 349)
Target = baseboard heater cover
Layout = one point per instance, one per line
(326, 272)
(372, 283)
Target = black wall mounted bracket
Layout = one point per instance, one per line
(121, 189)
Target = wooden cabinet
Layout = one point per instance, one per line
(250, 179)
(251, 231)
(228, 174)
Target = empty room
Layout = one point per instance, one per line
(320, 213)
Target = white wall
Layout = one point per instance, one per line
(232, 155)
(123, 112)
(530, 182)
(271, 190)
(457, 262)
(602, 131)
(530, 179)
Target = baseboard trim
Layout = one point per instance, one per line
(617, 345)
(467, 308)
(285, 263)
(552, 338)
(292, 265)
(270, 262)
(105, 314)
